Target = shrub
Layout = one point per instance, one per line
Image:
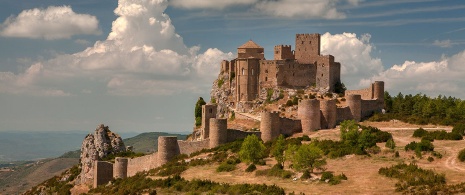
(276, 171)
(461, 155)
(225, 167)
(251, 168)
(306, 175)
(420, 132)
(459, 129)
(390, 144)
(397, 154)
(220, 83)
(326, 175)
(430, 159)
(411, 175)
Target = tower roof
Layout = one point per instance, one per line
(250, 44)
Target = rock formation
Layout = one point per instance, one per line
(97, 146)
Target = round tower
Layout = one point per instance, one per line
(354, 102)
(168, 148)
(120, 168)
(378, 90)
(309, 114)
(328, 114)
(218, 132)
(269, 125)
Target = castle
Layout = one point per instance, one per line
(299, 68)
(302, 68)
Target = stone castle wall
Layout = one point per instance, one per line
(233, 135)
(289, 126)
(188, 147)
(103, 172)
(143, 163)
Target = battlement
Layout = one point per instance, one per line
(283, 52)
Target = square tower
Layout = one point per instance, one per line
(283, 52)
(208, 112)
(307, 48)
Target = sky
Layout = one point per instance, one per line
(140, 65)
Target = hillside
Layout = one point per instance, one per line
(147, 142)
(25, 176)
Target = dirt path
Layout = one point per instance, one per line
(451, 162)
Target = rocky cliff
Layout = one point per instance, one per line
(97, 146)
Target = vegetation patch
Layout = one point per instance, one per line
(276, 171)
(437, 135)
(411, 175)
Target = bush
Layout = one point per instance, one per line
(461, 155)
(225, 167)
(306, 175)
(411, 175)
(439, 135)
(276, 171)
(390, 144)
(397, 154)
(220, 83)
(430, 159)
(251, 168)
(459, 129)
(424, 145)
(326, 175)
(252, 149)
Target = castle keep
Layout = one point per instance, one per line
(299, 68)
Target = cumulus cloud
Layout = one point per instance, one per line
(301, 8)
(444, 76)
(209, 4)
(141, 55)
(355, 55)
(52, 23)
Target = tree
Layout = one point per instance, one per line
(308, 157)
(198, 111)
(252, 149)
(278, 149)
(349, 132)
(459, 128)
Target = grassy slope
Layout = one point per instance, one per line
(26, 176)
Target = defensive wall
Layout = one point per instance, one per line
(313, 114)
(168, 148)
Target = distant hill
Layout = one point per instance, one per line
(148, 142)
(29, 174)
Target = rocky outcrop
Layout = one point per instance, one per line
(223, 94)
(95, 147)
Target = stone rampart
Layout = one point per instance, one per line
(233, 135)
(366, 94)
(343, 114)
(289, 126)
(103, 172)
(143, 163)
(188, 147)
(369, 107)
(354, 101)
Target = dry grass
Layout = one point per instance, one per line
(362, 171)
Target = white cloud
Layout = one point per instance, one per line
(51, 23)
(444, 76)
(142, 55)
(209, 4)
(443, 43)
(326, 9)
(354, 54)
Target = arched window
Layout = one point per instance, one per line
(243, 72)
(266, 78)
(252, 71)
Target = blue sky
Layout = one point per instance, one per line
(140, 65)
